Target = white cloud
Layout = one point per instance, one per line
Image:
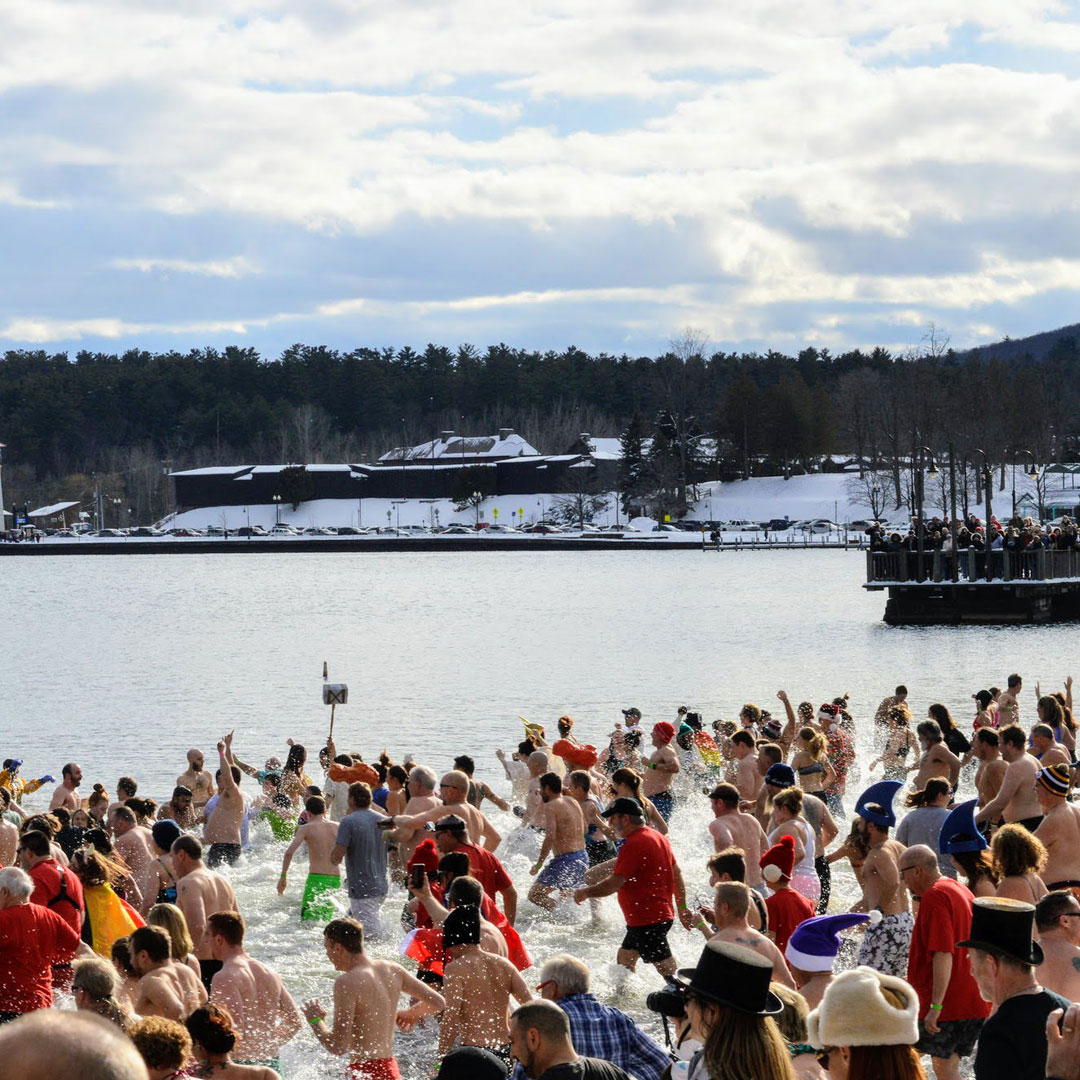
(234, 267)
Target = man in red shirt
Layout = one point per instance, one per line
(32, 940)
(646, 876)
(55, 886)
(951, 1009)
(451, 835)
(787, 908)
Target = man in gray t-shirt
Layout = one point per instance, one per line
(362, 845)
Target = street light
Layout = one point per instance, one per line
(277, 509)
(477, 499)
(921, 453)
(988, 480)
(1032, 474)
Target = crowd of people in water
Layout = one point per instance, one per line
(961, 953)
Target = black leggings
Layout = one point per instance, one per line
(824, 873)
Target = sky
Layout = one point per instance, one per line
(348, 173)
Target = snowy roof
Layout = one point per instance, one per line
(504, 445)
(214, 470)
(265, 469)
(55, 508)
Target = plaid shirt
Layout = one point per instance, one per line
(601, 1031)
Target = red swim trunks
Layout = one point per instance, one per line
(374, 1069)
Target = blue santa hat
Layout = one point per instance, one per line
(882, 793)
(959, 831)
(814, 943)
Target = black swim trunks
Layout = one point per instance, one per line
(222, 853)
(649, 942)
(1030, 823)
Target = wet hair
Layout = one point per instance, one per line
(935, 787)
(127, 786)
(899, 714)
(1016, 852)
(171, 919)
(143, 808)
(396, 772)
(37, 843)
(628, 778)
(730, 861)
(94, 868)
(632, 740)
(525, 748)
(348, 933)
(790, 799)
(552, 781)
(984, 697)
(229, 925)
(466, 890)
(1013, 680)
(941, 715)
(988, 735)
(857, 838)
(1052, 712)
(1066, 712)
(152, 940)
(744, 738)
(901, 691)
(121, 958)
(212, 1028)
(751, 711)
(806, 710)
(930, 731)
(315, 805)
(162, 1044)
(294, 763)
(1013, 735)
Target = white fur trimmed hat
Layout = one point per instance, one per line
(854, 1012)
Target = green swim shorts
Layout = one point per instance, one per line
(316, 886)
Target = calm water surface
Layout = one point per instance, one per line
(122, 663)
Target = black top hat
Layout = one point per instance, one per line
(623, 805)
(1004, 927)
(733, 975)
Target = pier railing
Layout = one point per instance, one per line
(1040, 564)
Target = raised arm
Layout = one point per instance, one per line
(502, 804)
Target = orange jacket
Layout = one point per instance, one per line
(350, 774)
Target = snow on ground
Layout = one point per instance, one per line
(819, 495)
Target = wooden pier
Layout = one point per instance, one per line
(996, 587)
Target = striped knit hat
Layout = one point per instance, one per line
(1055, 778)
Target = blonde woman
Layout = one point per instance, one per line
(788, 815)
(171, 919)
(811, 762)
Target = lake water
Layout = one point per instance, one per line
(122, 663)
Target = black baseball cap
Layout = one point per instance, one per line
(633, 711)
(450, 823)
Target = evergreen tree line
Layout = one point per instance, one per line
(119, 423)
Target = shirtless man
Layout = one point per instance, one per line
(132, 844)
(732, 828)
(319, 835)
(366, 997)
(196, 779)
(1059, 830)
(986, 746)
(1057, 920)
(1046, 749)
(67, 794)
(1008, 702)
(454, 793)
(539, 763)
(885, 944)
(422, 797)
(564, 840)
(166, 988)
(1015, 801)
(179, 809)
(937, 759)
(9, 842)
(264, 1016)
(730, 911)
(477, 987)
(222, 831)
(660, 769)
(200, 893)
(748, 777)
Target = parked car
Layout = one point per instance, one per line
(109, 533)
(776, 525)
(349, 530)
(820, 527)
(457, 529)
(281, 529)
(742, 526)
(146, 530)
(542, 527)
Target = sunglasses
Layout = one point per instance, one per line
(823, 1057)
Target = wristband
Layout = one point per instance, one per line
(937, 1008)
(315, 1021)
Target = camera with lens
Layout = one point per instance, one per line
(669, 1002)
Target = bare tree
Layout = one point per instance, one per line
(871, 489)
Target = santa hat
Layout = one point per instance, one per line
(829, 713)
(855, 1012)
(665, 730)
(814, 943)
(882, 793)
(779, 861)
(426, 855)
(959, 832)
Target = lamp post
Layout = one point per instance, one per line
(920, 455)
(277, 509)
(116, 510)
(988, 480)
(477, 499)
(1033, 474)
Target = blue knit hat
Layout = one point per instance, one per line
(959, 832)
(814, 943)
(882, 793)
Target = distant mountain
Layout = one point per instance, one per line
(1034, 349)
